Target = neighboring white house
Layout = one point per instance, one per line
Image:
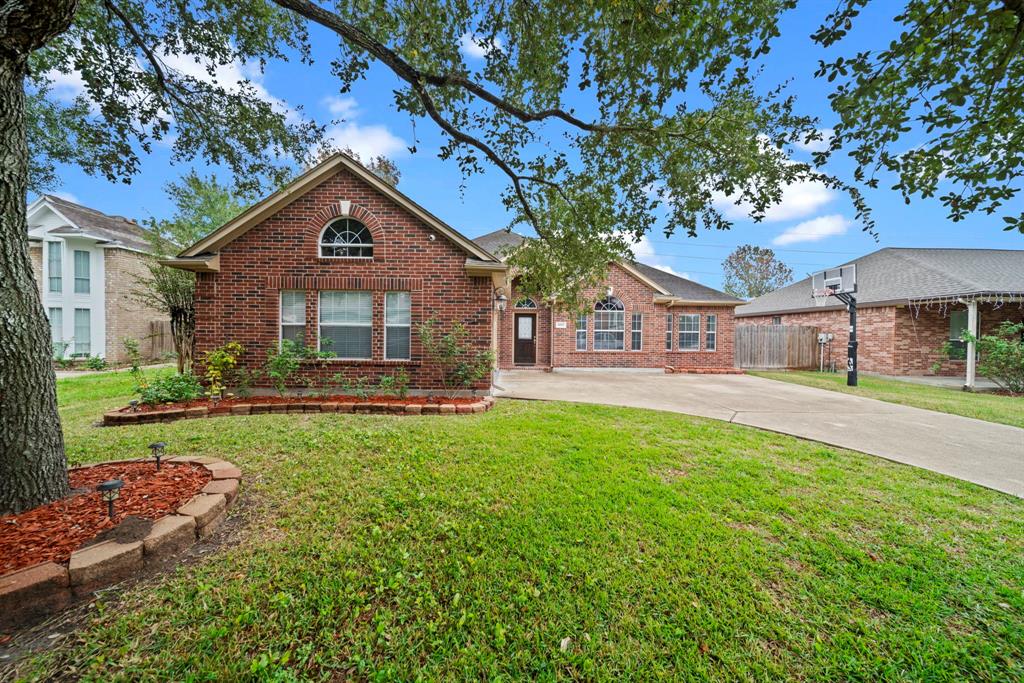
(87, 263)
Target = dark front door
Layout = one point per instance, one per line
(525, 352)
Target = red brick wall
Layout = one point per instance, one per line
(636, 298)
(894, 340)
(241, 302)
(922, 331)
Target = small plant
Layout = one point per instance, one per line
(170, 389)
(461, 366)
(64, 363)
(220, 364)
(96, 363)
(1001, 356)
(401, 383)
(282, 364)
(386, 385)
(361, 388)
(132, 353)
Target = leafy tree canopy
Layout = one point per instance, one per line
(751, 271)
(201, 205)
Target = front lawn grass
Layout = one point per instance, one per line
(558, 541)
(1008, 410)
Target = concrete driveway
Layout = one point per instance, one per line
(981, 452)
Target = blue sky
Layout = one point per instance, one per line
(813, 228)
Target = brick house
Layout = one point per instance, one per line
(910, 302)
(342, 261)
(86, 264)
(643, 317)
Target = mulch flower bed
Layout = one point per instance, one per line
(253, 405)
(50, 533)
(226, 403)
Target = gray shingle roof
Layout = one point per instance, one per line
(894, 275)
(500, 242)
(111, 228)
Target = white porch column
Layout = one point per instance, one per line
(972, 327)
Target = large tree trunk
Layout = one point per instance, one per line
(33, 468)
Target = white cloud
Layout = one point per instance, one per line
(477, 48)
(798, 200)
(366, 141)
(67, 196)
(341, 107)
(817, 145)
(814, 230)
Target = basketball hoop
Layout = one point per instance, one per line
(822, 296)
(840, 284)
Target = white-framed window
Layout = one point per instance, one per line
(689, 331)
(346, 324)
(581, 333)
(776, 320)
(83, 332)
(293, 316)
(55, 266)
(56, 317)
(957, 328)
(668, 331)
(636, 332)
(526, 302)
(346, 238)
(81, 272)
(397, 325)
(609, 325)
(711, 332)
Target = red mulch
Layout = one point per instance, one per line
(50, 533)
(339, 398)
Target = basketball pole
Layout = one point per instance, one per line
(851, 345)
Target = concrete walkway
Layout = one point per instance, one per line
(981, 452)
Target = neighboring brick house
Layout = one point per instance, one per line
(342, 261)
(643, 318)
(910, 302)
(87, 264)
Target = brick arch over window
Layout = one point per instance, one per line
(343, 209)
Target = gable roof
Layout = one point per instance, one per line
(114, 231)
(900, 275)
(501, 242)
(268, 206)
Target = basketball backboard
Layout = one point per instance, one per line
(831, 281)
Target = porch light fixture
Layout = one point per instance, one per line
(500, 300)
(110, 491)
(158, 451)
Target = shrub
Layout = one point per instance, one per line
(1001, 356)
(461, 366)
(170, 389)
(220, 364)
(131, 350)
(96, 363)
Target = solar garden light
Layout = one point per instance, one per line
(110, 491)
(158, 451)
(134, 405)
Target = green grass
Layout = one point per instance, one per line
(1007, 410)
(654, 545)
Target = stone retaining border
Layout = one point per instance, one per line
(119, 417)
(48, 587)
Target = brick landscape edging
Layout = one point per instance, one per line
(119, 417)
(47, 587)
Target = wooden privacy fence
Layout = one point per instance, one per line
(776, 346)
(159, 340)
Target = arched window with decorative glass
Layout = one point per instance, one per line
(609, 325)
(526, 302)
(346, 238)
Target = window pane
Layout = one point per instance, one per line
(54, 265)
(83, 331)
(397, 346)
(581, 333)
(957, 324)
(56, 316)
(294, 333)
(346, 308)
(689, 332)
(609, 330)
(345, 341)
(668, 332)
(711, 332)
(397, 308)
(608, 341)
(81, 272)
(347, 237)
(293, 308)
(637, 332)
